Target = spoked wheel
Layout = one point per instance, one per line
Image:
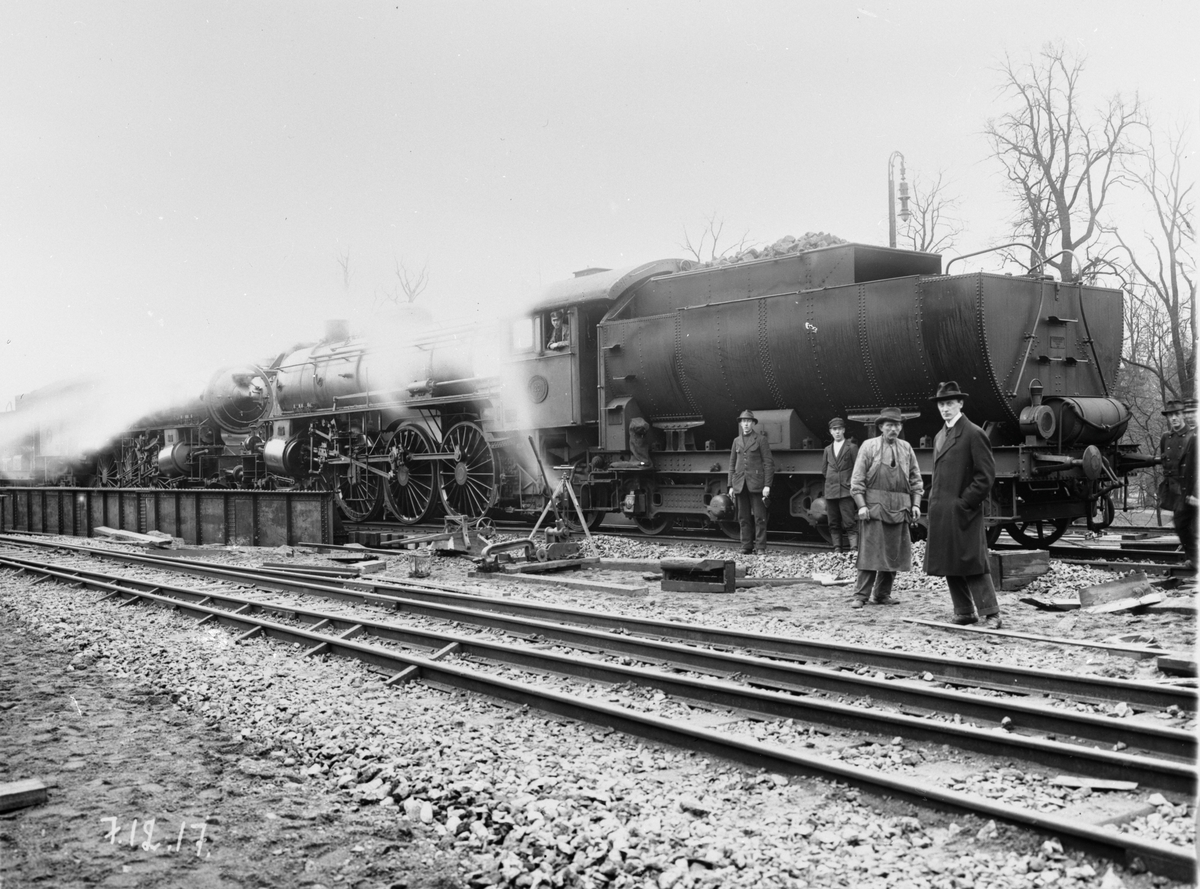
(1037, 535)
(358, 491)
(993, 534)
(409, 489)
(652, 526)
(107, 473)
(468, 475)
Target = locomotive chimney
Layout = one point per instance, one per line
(337, 329)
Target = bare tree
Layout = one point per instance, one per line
(712, 234)
(343, 261)
(1161, 310)
(1060, 167)
(407, 284)
(934, 225)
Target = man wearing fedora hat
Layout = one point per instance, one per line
(963, 474)
(837, 465)
(886, 486)
(751, 471)
(1177, 490)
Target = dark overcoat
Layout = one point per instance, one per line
(837, 470)
(963, 473)
(750, 463)
(1172, 492)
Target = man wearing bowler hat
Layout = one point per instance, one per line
(751, 471)
(1177, 491)
(837, 464)
(963, 474)
(886, 486)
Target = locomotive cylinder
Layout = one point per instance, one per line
(174, 460)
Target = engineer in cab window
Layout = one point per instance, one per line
(560, 337)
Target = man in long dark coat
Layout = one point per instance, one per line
(1177, 492)
(751, 470)
(963, 474)
(837, 465)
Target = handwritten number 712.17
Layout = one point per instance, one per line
(147, 844)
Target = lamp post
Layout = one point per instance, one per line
(904, 213)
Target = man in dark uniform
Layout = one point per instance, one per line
(751, 470)
(963, 474)
(837, 464)
(1177, 491)
(560, 334)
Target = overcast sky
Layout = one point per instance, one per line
(180, 179)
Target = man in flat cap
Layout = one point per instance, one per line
(886, 486)
(1177, 491)
(751, 471)
(963, 474)
(837, 465)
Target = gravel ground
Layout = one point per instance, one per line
(438, 788)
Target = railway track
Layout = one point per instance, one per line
(746, 674)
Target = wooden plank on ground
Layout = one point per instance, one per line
(131, 536)
(1177, 665)
(553, 565)
(647, 566)
(1093, 783)
(1129, 603)
(1122, 650)
(19, 794)
(598, 586)
(1112, 590)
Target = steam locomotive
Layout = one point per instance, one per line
(630, 399)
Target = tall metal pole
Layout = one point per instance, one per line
(892, 196)
(891, 205)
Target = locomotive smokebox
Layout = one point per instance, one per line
(238, 398)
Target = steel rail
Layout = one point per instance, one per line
(782, 704)
(1176, 862)
(800, 678)
(1145, 695)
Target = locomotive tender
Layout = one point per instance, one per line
(637, 408)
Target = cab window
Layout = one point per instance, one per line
(523, 333)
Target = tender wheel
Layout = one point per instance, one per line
(1037, 535)
(468, 475)
(732, 530)
(357, 490)
(993, 534)
(654, 525)
(411, 483)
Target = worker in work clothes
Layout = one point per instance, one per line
(886, 486)
(837, 465)
(963, 474)
(751, 470)
(1177, 490)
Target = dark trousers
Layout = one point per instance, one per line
(973, 593)
(876, 585)
(843, 519)
(1184, 519)
(752, 519)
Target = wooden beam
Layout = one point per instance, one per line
(19, 794)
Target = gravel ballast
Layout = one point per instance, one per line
(485, 794)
